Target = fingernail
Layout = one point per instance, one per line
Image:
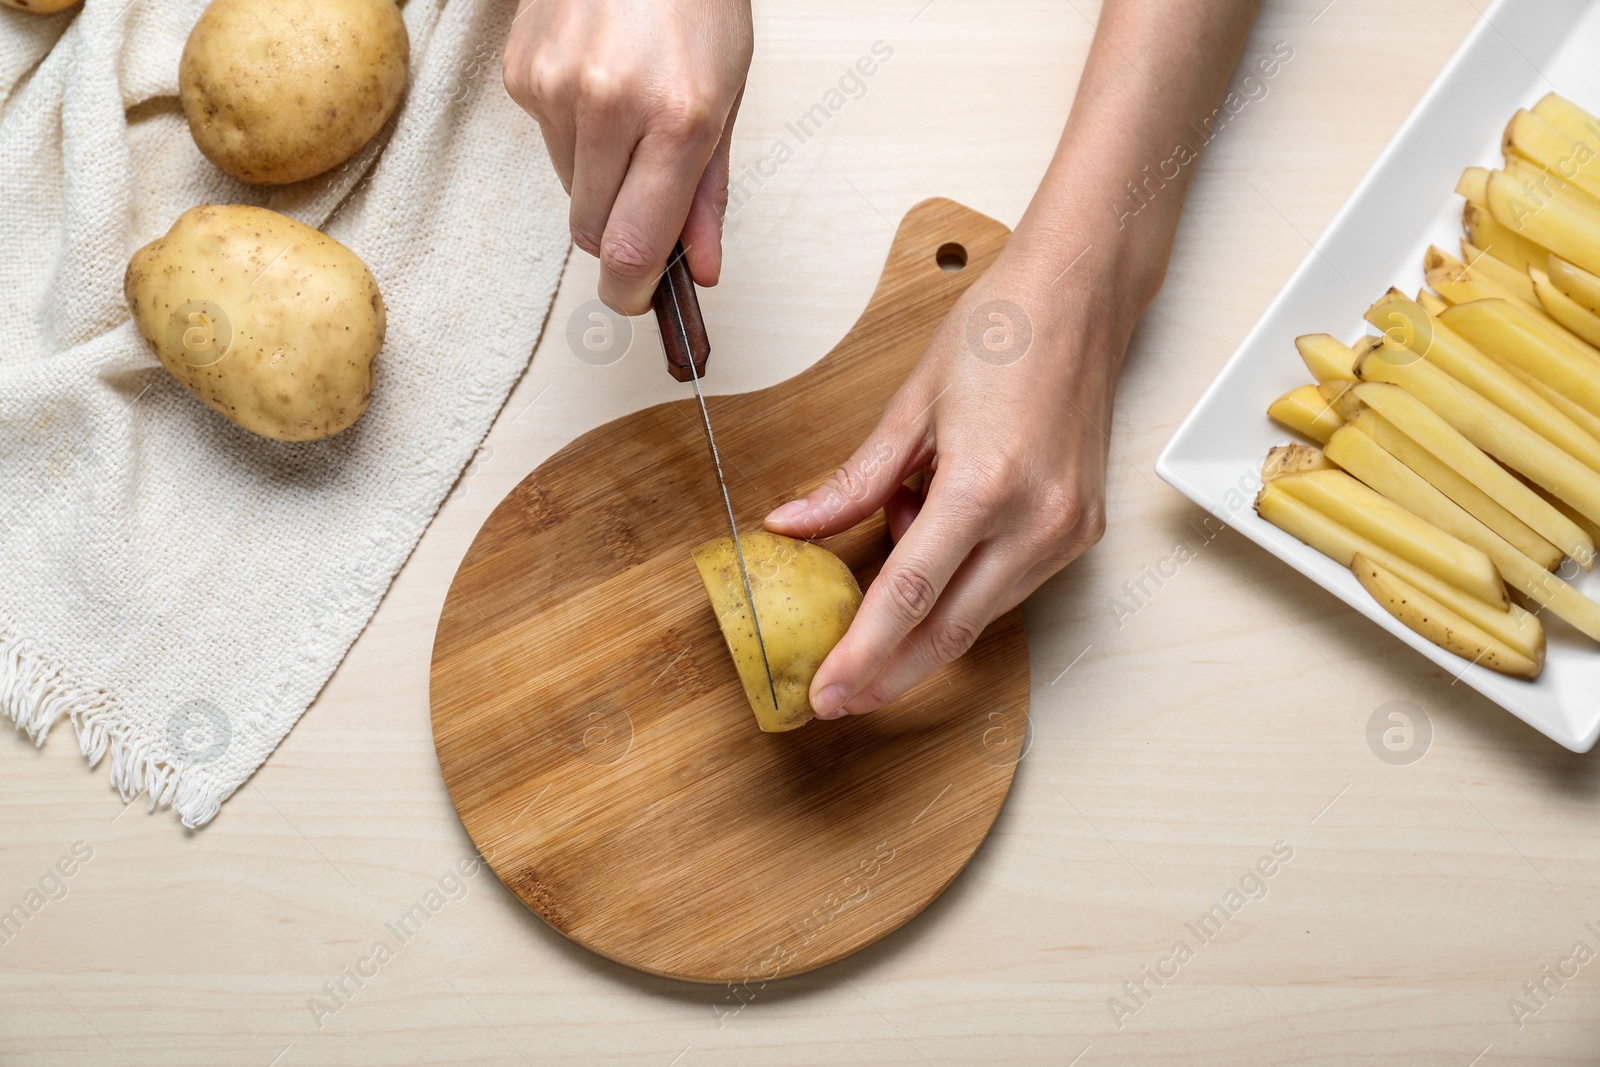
(787, 513)
(830, 702)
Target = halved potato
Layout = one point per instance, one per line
(805, 598)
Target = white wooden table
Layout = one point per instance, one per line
(1175, 744)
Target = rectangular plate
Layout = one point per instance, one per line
(1518, 51)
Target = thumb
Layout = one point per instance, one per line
(860, 487)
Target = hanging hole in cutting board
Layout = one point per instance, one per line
(951, 256)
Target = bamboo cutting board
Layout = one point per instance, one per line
(592, 730)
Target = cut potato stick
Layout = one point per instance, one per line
(1431, 302)
(1542, 142)
(1555, 222)
(1434, 432)
(1364, 458)
(1592, 529)
(1460, 284)
(1494, 430)
(1514, 626)
(1574, 120)
(1539, 184)
(1566, 311)
(1480, 505)
(1285, 460)
(1304, 411)
(1504, 244)
(1474, 185)
(1453, 354)
(1576, 282)
(1326, 357)
(1425, 616)
(1502, 330)
(1503, 275)
(1560, 401)
(1365, 511)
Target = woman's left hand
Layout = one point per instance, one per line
(1008, 412)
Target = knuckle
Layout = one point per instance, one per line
(625, 251)
(682, 116)
(585, 238)
(544, 80)
(847, 483)
(977, 490)
(951, 640)
(910, 592)
(1061, 511)
(599, 84)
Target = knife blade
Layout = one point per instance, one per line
(688, 347)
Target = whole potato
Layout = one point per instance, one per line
(805, 599)
(270, 322)
(279, 90)
(39, 7)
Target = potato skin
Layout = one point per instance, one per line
(805, 598)
(40, 7)
(277, 91)
(271, 323)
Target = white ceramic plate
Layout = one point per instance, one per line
(1519, 50)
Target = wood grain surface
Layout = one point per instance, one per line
(1189, 708)
(592, 729)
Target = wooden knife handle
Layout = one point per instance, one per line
(683, 330)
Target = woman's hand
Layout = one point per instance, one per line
(1008, 412)
(637, 100)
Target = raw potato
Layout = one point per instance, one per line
(1327, 358)
(1285, 460)
(805, 598)
(1357, 453)
(1445, 628)
(1338, 542)
(1364, 511)
(276, 91)
(1450, 352)
(1436, 435)
(1304, 411)
(1466, 454)
(1504, 244)
(273, 324)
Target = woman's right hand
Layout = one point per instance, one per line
(636, 99)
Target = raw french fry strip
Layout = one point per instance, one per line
(1433, 432)
(1574, 120)
(1504, 244)
(1364, 458)
(1424, 615)
(1554, 221)
(1304, 411)
(1492, 429)
(1457, 487)
(1576, 282)
(1284, 461)
(1460, 284)
(1454, 355)
(1547, 145)
(1380, 520)
(1479, 263)
(1326, 357)
(1563, 309)
(1515, 627)
(1502, 330)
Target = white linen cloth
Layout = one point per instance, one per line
(179, 588)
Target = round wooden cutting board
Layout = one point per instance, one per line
(593, 732)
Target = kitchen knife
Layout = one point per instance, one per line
(684, 339)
